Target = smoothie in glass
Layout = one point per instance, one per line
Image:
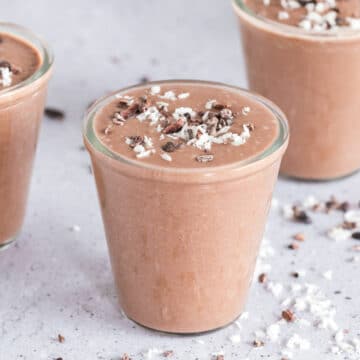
(25, 63)
(185, 172)
(305, 56)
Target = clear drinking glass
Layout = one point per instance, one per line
(21, 111)
(315, 79)
(184, 268)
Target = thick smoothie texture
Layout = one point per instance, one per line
(184, 197)
(23, 81)
(305, 56)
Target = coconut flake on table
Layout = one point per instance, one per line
(297, 342)
(273, 332)
(235, 339)
(152, 352)
(353, 216)
(275, 288)
(310, 201)
(339, 234)
(327, 275)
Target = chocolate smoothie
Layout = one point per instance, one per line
(185, 172)
(24, 74)
(305, 56)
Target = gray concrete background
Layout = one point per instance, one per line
(56, 280)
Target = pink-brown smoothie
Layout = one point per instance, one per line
(305, 56)
(185, 172)
(23, 82)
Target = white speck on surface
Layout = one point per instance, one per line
(75, 228)
(275, 288)
(354, 23)
(353, 216)
(287, 211)
(139, 148)
(183, 96)
(235, 339)
(244, 315)
(297, 342)
(283, 15)
(209, 105)
(148, 142)
(310, 201)
(327, 275)
(180, 112)
(245, 110)
(166, 157)
(339, 234)
(155, 90)
(152, 353)
(6, 76)
(199, 341)
(145, 154)
(275, 203)
(273, 332)
(169, 95)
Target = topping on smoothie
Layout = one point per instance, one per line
(5, 73)
(184, 126)
(18, 60)
(315, 15)
(201, 129)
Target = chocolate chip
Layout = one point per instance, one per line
(301, 216)
(288, 315)
(356, 235)
(219, 107)
(174, 127)
(345, 206)
(258, 343)
(293, 246)
(132, 110)
(54, 114)
(262, 278)
(169, 147)
(168, 353)
(61, 338)
(5, 64)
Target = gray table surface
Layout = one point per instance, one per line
(57, 281)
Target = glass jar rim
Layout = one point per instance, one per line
(40, 45)
(91, 137)
(340, 33)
